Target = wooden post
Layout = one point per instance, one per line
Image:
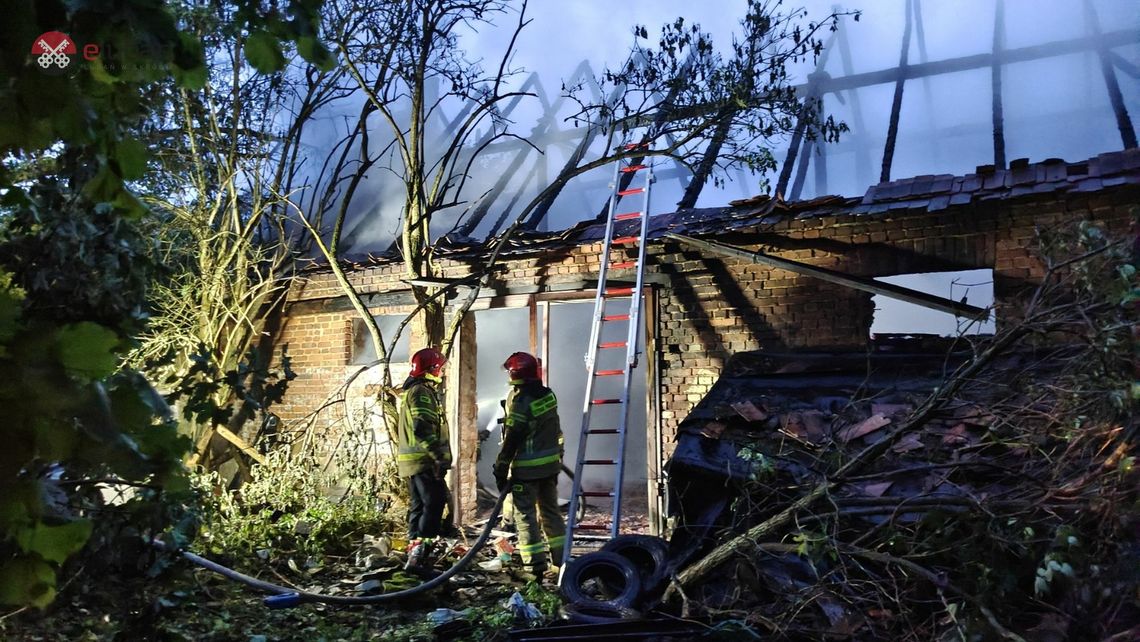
(545, 342)
(654, 451)
(463, 417)
(532, 309)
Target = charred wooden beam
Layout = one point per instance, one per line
(896, 102)
(859, 283)
(1123, 122)
(995, 86)
(1109, 40)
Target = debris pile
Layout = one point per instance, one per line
(989, 491)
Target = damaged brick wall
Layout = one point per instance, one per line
(710, 308)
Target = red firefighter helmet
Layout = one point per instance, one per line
(429, 361)
(521, 365)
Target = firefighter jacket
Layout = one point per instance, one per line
(422, 428)
(532, 436)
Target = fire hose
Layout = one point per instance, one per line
(285, 597)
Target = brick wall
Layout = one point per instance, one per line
(710, 308)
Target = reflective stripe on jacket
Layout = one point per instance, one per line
(422, 429)
(532, 435)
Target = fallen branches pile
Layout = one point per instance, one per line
(1003, 505)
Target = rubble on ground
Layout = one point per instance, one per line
(988, 491)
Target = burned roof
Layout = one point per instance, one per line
(916, 195)
(793, 404)
(777, 383)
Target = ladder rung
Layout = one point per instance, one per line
(597, 493)
(622, 265)
(625, 239)
(616, 317)
(632, 190)
(612, 344)
(625, 216)
(598, 462)
(619, 291)
(602, 431)
(609, 373)
(604, 402)
(632, 168)
(591, 527)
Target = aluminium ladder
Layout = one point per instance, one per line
(617, 233)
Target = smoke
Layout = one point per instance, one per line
(503, 331)
(1053, 107)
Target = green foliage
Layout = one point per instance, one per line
(548, 602)
(54, 543)
(734, 101)
(815, 547)
(27, 580)
(287, 508)
(762, 467)
(209, 396)
(264, 52)
(88, 350)
(67, 412)
(74, 273)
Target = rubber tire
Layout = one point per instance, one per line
(597, 565)
(582, 614)
(648, 554)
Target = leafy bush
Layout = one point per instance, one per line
(287, 507)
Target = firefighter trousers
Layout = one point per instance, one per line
(428, 495)
(540, 525)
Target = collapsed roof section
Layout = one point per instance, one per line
(920, 194)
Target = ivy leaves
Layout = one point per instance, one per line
(263, 51)
(87, 350)
(75, 266)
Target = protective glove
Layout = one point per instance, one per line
(502, 472)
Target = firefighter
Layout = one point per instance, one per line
(424, 449)
(529, 463)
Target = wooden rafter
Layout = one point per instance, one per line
(859, 283)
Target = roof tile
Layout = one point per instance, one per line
(941, 184)
(922, 185)
(1089, 185)
(1109, 164)
(1130, 158)
(940, 202)
(932, 193)
(1055, 171)
(1024, 175)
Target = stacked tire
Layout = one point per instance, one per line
(611, 584)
